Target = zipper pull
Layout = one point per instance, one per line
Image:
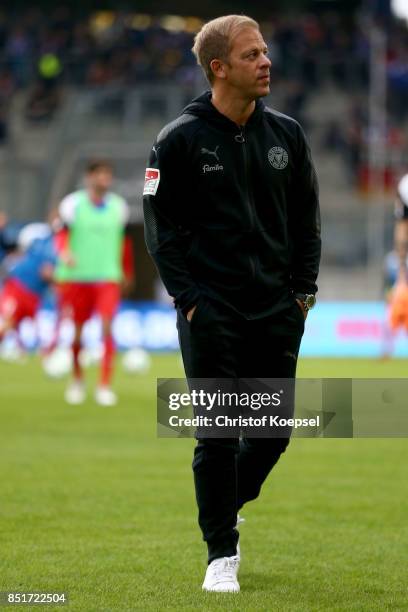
(240, 137)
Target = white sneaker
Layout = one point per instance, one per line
(104, 396)
(75, 393)
(221, 576)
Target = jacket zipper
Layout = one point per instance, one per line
(248, 196)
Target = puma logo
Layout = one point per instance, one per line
(214, 153)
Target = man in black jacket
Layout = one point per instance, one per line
(232, 223)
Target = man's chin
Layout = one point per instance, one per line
(262, 91)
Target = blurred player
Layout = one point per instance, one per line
(29, 278)
(90, 271)
(391, 273)
(398, 314)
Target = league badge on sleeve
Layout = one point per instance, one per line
(152, 180)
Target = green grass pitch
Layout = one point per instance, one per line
(94, 505)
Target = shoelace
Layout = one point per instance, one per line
(225, 568)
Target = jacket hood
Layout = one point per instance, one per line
(202, 107)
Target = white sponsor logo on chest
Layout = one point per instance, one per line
(216, 168)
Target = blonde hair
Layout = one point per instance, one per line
(213, 41)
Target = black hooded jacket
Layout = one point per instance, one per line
(232, 213)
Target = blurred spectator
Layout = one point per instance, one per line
(112, 46)
(349, 137)
(3, 223)
(295, 99)
(6, 91)
(45, 97)
(18, 54)
(398, 82)
(42, 102)
(9, 231)
(113, 50)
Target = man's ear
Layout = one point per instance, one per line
(218, 68)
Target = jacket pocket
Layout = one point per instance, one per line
(296, 313)
(197, 314)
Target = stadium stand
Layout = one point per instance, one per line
(73, 85)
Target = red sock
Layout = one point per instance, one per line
(76, 347)
(107, 361)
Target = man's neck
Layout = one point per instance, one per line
(96, 196)
(237, 110)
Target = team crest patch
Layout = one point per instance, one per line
(278, 158)
(152, 180)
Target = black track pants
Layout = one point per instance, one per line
(229, 472)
